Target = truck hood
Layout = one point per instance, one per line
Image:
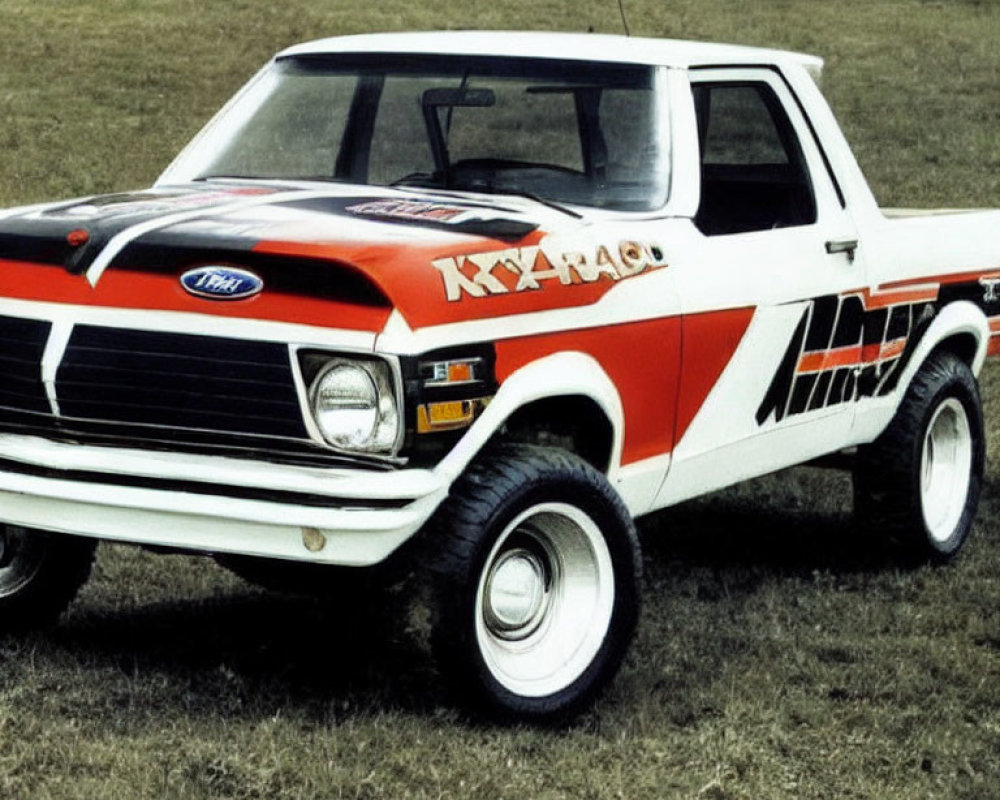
(434, 257)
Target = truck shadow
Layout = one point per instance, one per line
(252, 654)
(794, 522)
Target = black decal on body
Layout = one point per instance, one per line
(776, 397)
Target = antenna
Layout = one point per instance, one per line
(621, 8)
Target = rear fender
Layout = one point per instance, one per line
(955, 319)
(960, 318)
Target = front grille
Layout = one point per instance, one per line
(179, 381)
(22, 343)
(160, 391)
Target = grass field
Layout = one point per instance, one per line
(778, 656)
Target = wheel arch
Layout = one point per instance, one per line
(960, 328)
(541, 396)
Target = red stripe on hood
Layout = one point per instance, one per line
(160, 292)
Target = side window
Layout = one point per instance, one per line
(753, 174)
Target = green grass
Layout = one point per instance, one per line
(778, 656)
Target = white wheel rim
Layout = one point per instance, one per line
(945, 469)
(544, 600)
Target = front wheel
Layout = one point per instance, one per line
(919, 482)
(40, 574)
(536, 564)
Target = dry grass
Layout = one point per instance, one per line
(778, 656)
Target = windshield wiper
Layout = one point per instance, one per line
(530, 196)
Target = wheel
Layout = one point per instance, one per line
(919, 482)
(40, 574)
(536, 567)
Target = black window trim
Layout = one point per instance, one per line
(802, 112)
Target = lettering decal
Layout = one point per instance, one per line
(409, 209)
(531, 268)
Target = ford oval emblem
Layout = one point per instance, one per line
(221, 283)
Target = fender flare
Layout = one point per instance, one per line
(556, 375)
(961, 317)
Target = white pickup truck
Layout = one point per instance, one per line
(474, 301)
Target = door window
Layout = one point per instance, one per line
(753, 173)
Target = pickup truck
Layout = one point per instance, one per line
(470, 303)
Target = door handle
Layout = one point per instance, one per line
(847, 246)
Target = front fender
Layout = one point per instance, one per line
(557, 375)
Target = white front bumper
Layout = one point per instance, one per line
(360, 516)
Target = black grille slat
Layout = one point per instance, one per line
(176, 365)
(215, 349)
(179, 380)
(22, 343)
(20, 370)
(223, 386)
(181, 418)
(24, 333)
(24, 401)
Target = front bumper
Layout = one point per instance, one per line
(219, 505)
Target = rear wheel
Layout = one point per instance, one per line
(536, 591)
(40, 574)
(919, 482)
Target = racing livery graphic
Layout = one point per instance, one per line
(465, 305)
(853, 346)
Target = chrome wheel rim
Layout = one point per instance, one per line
(21, 556)
(945, 469)
(544, 600)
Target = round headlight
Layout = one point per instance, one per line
(345, 404)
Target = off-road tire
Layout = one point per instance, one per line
(918, 484)
(517, 523)
(40, 574)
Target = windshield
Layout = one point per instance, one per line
(571, 132)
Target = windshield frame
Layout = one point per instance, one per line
(193, 161)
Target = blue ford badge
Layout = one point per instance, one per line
(221, 283)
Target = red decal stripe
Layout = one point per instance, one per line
(837, 357)
(139, 290)
(957, 277)
(710, 340)
(641, 358)
(888, 295)
(850, 356)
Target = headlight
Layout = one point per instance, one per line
(354, 406)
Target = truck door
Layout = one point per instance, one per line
(771, 284)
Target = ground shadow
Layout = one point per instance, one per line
(254, 653)
(795, 522)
